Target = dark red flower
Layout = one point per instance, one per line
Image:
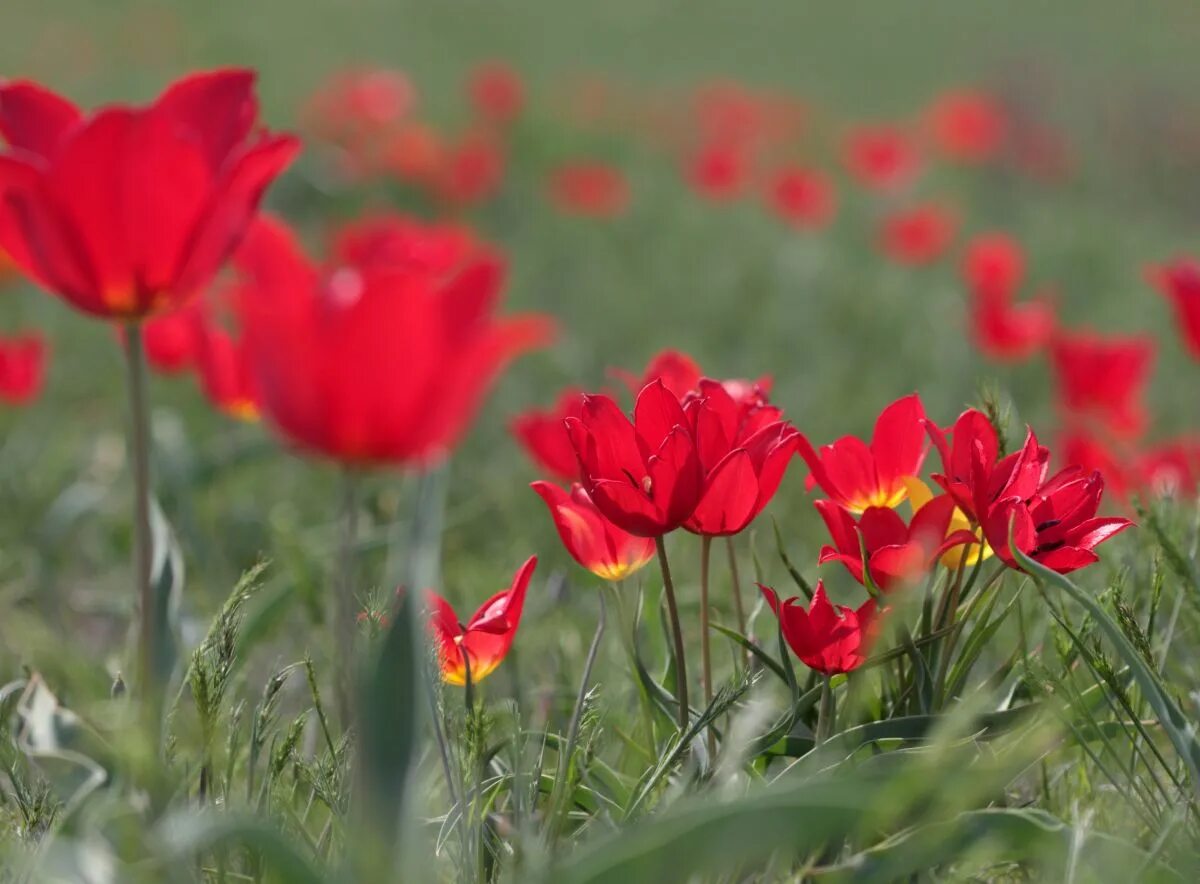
(22, 368)
(543, 435)
(967, 126)
(803, 198)
(496, 91)
(1104, 377)
(882, 157)
(591, 539)
(719, 171)
(592, 190)
(826, 638)
(373, 363)
(1179, 282)
(857, 475)
(130, 211)
(919, 235)
(644, 475)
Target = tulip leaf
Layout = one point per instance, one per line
(166, 581)
(797, 577)
(188, 833)
(762, 656)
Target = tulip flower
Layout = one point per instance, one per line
(830, 639)
(496, 92)
(172, 339)
(8, 269)
(483, 642)
(857, 475)
(969, 552)
(591, 539)
(1104, 377)
(967, 126)
(993, 266)
(1179, 282)
(591, 190)
(1011, 333)
(22, 368)
(469, 171)
(1082, 448)
(223, 364)
(1170, 469)
(919, 235)
(375, 363)
(718, 171)
(881, 546)
(676, 369)
(183, 176)
(802, 198)
(544, 436)
(881, 158)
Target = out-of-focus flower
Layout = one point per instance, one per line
(591, 539)
(644, 475)
(993, 266)
(8, 270)
(482, 643)
(592, 190)
(719, 171)
(184, 175)
(967, 126)
(803, 198)
(470, 170)
(22, 368)
(374, 363)
(881, 158)
(543, 435)
(1170, 469)
(413, 152)
(830, 639)
(918, 235)
(357, 111)
(172, 339)
(1104, 377)
(678, 371)
(1179, 282)
(857, 475)
(496, 91)
(1041, 152)
(1080, 448)
(223, 364)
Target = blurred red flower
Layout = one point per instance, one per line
(678, 371)
(22, 368)
(993, 268)
(480, 645)
(993, 265)
(184, 175)
(1104, 377)
(590, 189)
(470, 170)
(719, 171)
(1171, 468)
(967, 126)
(591, 539)
(830, 639)
(1179, 282)
(543, 435)
(358, 110)
(223, 364)
(496, 91)
(881, 157)
(918, 235)
(804, 198)
(374, 363)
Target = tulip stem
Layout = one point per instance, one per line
(143, 554)
(826, 711)
(344, 605)
(705, 655)
(681, 688)
(738, 605)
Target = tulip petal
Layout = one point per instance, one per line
(34, 119)
(729, 499)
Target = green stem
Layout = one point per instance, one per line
(705, 654)
(345, 608)
(681, 681)
(739, 606)
(826, 711)
(139, 439)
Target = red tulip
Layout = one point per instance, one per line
(919, 235)
(1090, 453)
(1179, 282)
(8, 270)
(223, 363)
(496, 92)
(993, 266)
(22, 368)
(896, 554)
(967, 126)
(644, 475)
(881, 158)
(1011, 333)
(130, 211)
(803, 198)
(483, 643)
(544, 437)
(1104, 376)
(678, 372)
(396, 242)
(859, 476)
(719, 171)
(830, 639)
(591, 539)
(373, 364)
(591, 190)
(171, 339)
(470, 170)
(353, 104)
(1170, 469)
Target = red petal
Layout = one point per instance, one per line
(34, 119)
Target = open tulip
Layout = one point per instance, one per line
(130, 211)
(544, 437)
(22, 368)
(1104, 376)
(1179, 282)
(591, 539)
(830, 639)
(1011, 332)
(483, 642)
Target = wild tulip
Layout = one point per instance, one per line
(476, 648)
(1179, 282)
(802, 198)
(590, 190)
(184, 175)
(591, 539)
(544, 437)
(967, 126)
(1011, 332)
(1104, 377)
(827, 638)
(677, 370)
(496, 92)
(22, 368)
(881, 157)
(223, 364)
(919, 235)
(172, 339)
(469, 170)
(1170, 469)
(718, 171)
(993, 266)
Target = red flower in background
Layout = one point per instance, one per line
(413, 152)
(184, 175)
(803, 198)
(881, 158)
(993, 268)
(223, 364)
(719, 171)
(644, 475)
(919, 235)
(469, 171)
(1104, 377)
(373, 363)
(677, 370)
(826, 638)
(591, 539)
(592, 190)
(543, 435)
(496, 92)
(481, 644)
(1084, 450)
(1171, 468)
(22, 368)
(358, 111)
(967, 126)
(857, 475)
(172, 339)
(1179, 282)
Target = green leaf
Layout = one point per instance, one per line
(187, 834)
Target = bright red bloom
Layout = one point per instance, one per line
(967, 126)
(857, 475)
(1011, 333)
(1179, 282)
(496, 92)
(718, 171)
(172, 339)
(130, 211)
(22, 368)
(804, 198)
(544, 437)
(919, 235)
(223, 364)
(744, 451)
(591, 539)
(678, 371)
(881, 158)
(361, 101)
(469, 171)
(644, 475)
(1104, 376)
(896, 554)
(483, 643)
(1090, 453)
(993, 265)
(593, 190)
(830, 639)
(374, 363)
(397, 242)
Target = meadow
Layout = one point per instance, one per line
(278, 603)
